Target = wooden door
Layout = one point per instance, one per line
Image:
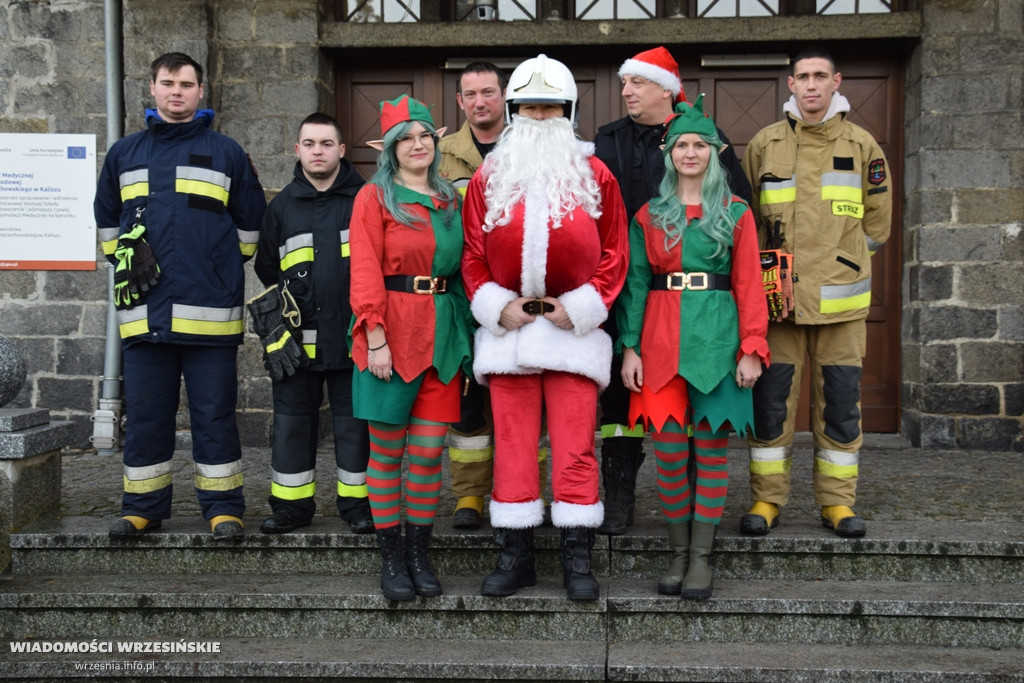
(742, 101)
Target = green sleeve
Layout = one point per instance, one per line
(629, 307)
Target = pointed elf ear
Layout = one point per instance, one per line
(441, 131)
(376, 144)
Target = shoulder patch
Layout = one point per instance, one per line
(876, 171)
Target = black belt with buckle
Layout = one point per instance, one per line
(696, 282)
(538, 307)
(416, 284)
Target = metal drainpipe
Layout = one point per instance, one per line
(107, 420)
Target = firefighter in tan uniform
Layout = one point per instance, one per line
(821, 194)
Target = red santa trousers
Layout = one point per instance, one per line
(571, 404)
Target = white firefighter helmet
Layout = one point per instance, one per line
(541, 80)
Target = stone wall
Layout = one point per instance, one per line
(963, 317)
(963, 321)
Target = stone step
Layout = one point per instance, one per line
(741, 611)
(801, 550)
(265, 660)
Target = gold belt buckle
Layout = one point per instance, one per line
(418, 280)
(689, 280)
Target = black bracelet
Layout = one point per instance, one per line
(379, 347)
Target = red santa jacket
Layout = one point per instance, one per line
(582, 262)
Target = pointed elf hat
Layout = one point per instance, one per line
(690, 119)
(657, 66)
(399, 110)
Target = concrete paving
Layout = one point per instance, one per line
(898, 483)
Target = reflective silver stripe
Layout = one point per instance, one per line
(841, 179)
(836, 457)
(132, 315)
(205, 175)
(249, 236)
(293, 480)
(308, 336)
(107, 234)
(351, 478)
(227, 469)
(873, 246)
(469, 443)
(148, 472)
(770, 454)
(343, 235)
(769, 185)
(217, 315)
(295, 242)
(830, 292)
(140, 175)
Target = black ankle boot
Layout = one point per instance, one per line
(621, 457)
(577, 576)
(394, 581)
(516, 567)
(417, 540)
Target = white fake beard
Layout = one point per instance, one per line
(546, 153)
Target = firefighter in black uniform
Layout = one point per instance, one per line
(303, 321)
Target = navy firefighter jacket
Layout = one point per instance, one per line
(197, 193)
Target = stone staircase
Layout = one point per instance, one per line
(913, 601)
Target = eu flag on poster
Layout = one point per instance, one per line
(76, 153)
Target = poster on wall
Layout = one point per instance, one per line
(47, 184)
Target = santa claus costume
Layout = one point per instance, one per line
(545, 256)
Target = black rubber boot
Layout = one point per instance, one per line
(417, 540)
(621, 457)
(516, 568)
(394, 581)
(577, 576)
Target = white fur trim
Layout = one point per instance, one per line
(585, 307)
(536, 214)
(587, 148)
(663, 77)
(496, 355)
(488, 303)
(518, 515)
(568, 515)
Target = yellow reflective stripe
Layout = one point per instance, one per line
(223, 477)
(613, 430)
(841, 193)
(292, 259)
(836, 464)
(248, 240)
(766, 461)
(346, 251)
(292, 492)
(206, 321)
(350, 491)
(279, 344)
(839, 298)
(247, 249)
(108, 239)
(485, 454)
(310, 350)
(778, 191)
(204, 182)
(201, 189)
(147, 485)
(134, 184)
(133, 322)
(835, 471)
(343, 238)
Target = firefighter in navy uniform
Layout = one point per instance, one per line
(304, 256)
(821, 194)
(178, 208)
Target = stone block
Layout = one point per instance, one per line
(31, 20)
(24, 124)
(991, 284)
(39, 354)
(94, 319)
(254, 429)
(990, 434)
(239, 98)
(259, 136)
(157, 25)
(976, 131)
(239, 63)
(80, 356)
(286, 22)
(17, 419)
(960, 18)
(994, 53)
(290, 97)
(964, 93)
(1011, 323)
(65, 393)
(47, 98)
(957, 245)
(939, 363)
(977, 206)
(939, 55)
(958, 399)
(965, 168)
(992, 362)
(935, 206)
(306, 61)
(1013, 242)
(929, 431)
(28, 62)
(931, 283)
(954, 322)
(56, 320)
(234, 22)
(1013, 400)
(75, 285)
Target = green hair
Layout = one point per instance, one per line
(669, 213)
(387, 169)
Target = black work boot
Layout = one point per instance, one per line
(516, 568)
(577, 577)
(621, 457)
(417, 540)
(394, 580)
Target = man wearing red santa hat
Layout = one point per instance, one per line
(545, 256)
